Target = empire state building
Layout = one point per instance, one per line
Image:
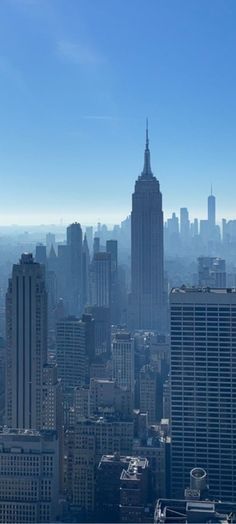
(147, 305)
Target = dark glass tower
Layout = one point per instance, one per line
(147, 274)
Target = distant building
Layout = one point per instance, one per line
(211, 272)
(74, 253)
(184, 225)
(147, 308)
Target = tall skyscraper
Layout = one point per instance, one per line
(184, 225)
(75, 291)
(203, 388)
(147, 273)
(26, 334)
(211, 208)
(102, 279)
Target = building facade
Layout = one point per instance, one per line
(26, 335)
(203, 388)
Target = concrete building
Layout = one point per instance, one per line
(148, 392)
(90, 439)
(29, 479)
(134, 491)
(71, 353)
(105, 396)
(155, 449)
(123, 360)
(26, 337)
(108, 486)
(102, 328)
(203, 388)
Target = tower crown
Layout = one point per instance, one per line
(147, 171)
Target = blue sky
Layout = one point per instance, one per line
(77, 80)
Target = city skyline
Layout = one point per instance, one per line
(74, 104)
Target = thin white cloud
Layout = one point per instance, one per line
(79, 53)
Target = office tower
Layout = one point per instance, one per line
(112, 248)
(211, 272)
(148, 392)
(41, 254)
(134, 491)
(85, 272)
(29, 481)
(123, 360)
(26, 337)
(74, 243)
(71, 353)
(211, 210)
(184, 225)
(147, 274)
(203, 388)
(102, 327)
(102, 279)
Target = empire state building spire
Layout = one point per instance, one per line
(147, 171)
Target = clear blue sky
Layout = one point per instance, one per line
(77, 79)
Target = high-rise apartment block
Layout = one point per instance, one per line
(203, 388)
